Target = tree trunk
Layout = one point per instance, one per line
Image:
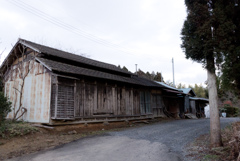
(215, 129)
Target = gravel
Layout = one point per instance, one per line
(173, 134)
(161, 141)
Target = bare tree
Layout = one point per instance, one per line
(18, 71)
(25, 64)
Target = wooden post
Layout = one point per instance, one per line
(74, 98)
(56, 97)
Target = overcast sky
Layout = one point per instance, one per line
(119, 32)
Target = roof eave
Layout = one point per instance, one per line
(20, 41)
(29, 46)
(43, 64)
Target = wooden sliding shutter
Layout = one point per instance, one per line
(62, 99)
(157, 104)
(145, 102)
(65, 103)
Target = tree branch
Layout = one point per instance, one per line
(17, 89)
(24, 110)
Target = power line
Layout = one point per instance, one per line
(66, 26)
(69, 27)
(83, 23)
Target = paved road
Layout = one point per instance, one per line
(155, 142)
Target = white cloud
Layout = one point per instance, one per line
(148, 31)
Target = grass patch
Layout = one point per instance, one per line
(210, 157)
(10, 129)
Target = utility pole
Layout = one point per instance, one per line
(173, 72)
(136, 68)
(161, 77)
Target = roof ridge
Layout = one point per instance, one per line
(71, 56)
(20, 39)
(72, 69)
(62, 51)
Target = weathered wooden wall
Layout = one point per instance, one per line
(96, 99)
(172, 105)
(186, 104)
(193, 106)
(157, 103)
(36, 91)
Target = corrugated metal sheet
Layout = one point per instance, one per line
(36, 92)
(198, 98)
(188, 91)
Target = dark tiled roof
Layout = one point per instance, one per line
(67, 68)
(66, 55)
(168, 86)
(146, 82)
(64, 67)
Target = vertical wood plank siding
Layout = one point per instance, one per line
(65, 103)
(192, 106)
(76, 99)
(157, 105)
(53, 99)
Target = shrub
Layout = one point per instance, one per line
(11, 129)
(231, 111)
(5, 107)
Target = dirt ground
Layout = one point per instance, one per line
(49, 138)
(200, 148)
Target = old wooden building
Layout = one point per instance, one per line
(51, 86)
(192, 103)
(173, 100)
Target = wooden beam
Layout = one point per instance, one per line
(56, 97)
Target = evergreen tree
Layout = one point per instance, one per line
(168, 82)
(5, 107)
(206, 38)
(148, 75)
(125, 68)
(158, 77)
(1, 84)
(153, 75)
(180, 85)
(228, 30)
(141, 73)
(200, 91)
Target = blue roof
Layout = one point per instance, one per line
(167, 86)
(197, 98)
(184, 90)
(188, 90)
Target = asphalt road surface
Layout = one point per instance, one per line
(163, 141)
